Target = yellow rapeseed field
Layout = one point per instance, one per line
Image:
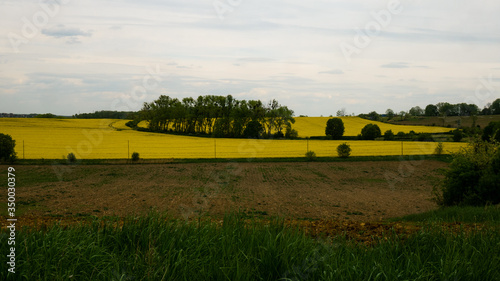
(111, 139)
(315, 126)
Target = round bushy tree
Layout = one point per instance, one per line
(492, 131)
(389, 135)
(344, 150)
(370, 132)
(335, 128)
(7, 144)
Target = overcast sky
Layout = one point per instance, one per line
(316, 57)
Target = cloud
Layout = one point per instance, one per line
(396, 65)
(60, 31)
(335, 71)
(256, 59)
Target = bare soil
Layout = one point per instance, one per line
(354, 191)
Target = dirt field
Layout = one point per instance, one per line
(355, 191)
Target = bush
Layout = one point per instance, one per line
(370, 132)
(344, 150)
(388, 135)
(457, 135)
(135, 156)
(7, 152)
(473, 177)
(335, 128)
(439, 148)
(71, 157)
(492, 132)
(311, 155)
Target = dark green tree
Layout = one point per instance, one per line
(253, 130)
(7, 144)
(335, 128)
(389, 135)
(492, 131)
(431, 110)
(370, 132)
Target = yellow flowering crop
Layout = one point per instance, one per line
(111, 139)
(315, 126)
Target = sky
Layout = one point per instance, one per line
(316, 57)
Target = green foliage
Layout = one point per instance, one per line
(388, 135)
(219, 116)
(473, 177)
(7, 151)
(135, 156)
(71, 157)
(344, 150)
(154, 247)
(46, 115)
(457, 135)
(439, 148)
(370, 132)
(335, 128)
(253, 130)
(492, 132)
(291, 133)
(310, 155)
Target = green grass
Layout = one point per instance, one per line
(156, 248)
(468, 214)
(62, 163)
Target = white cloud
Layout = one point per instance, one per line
(288, 50)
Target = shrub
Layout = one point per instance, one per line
(439, 148)
(457, 135)
(7, 152)
(335, 128)
(473, 177)
(344, 150)
(311, 155)
(492, 131)
(71, 157)
(135, 156)
(388, 135)
(370, 132)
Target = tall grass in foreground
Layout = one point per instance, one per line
(153, 248)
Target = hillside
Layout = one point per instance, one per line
(315, 126)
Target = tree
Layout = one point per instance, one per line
(457, 135)
(334, 128)
(344, 150)
(492, 131)
(388, 135)
(431, 110)
(390, 114)
(416, 111)
(473, 177)
(341, 112)
(253, 130)
(374, 116)
(370, 132)
(7, 152)
(495, 107)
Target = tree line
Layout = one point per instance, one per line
(218, 116)
(443, 109)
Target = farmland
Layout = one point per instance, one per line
(111, 139)
(235, 219)
(213, 221)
